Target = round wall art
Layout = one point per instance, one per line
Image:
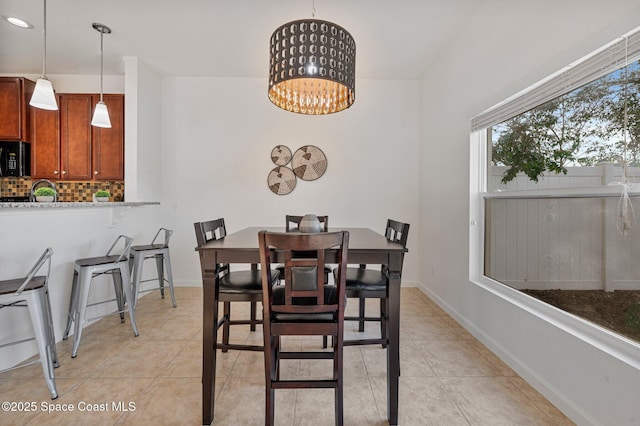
(309, 162)
(281, 180)
(281, 155)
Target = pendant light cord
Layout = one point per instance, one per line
(44, 52)
(101, 61)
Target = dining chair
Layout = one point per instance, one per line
(364, 283)
(32, 292)
(303, 306)
(114, 263)
(160, 252)
(234, 286)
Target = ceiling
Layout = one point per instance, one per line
(395, 39)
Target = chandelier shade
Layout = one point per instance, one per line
(312, 67)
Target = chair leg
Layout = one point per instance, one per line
(138, 260)
(160, 267)
(117, 286)
(38, 312)
(254, 310)
(271, 373)
(126, 286)
(82, 298)
(361, 314)
(225, 326)
(339, 391)
(73, 305)
(383, 320)
(167, 262)
(50, 329)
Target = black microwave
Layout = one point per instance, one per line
(15, 159)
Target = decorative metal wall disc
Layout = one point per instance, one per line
(281, 180)
(281, 155)
(309, 163)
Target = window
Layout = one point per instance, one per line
(562, 189)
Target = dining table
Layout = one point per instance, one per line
(365, 247)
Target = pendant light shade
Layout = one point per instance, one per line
(101, 114)
(312, 67)
(43, 96)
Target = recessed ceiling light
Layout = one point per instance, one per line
(17, 21)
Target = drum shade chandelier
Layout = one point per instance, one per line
(101, 114)
(43, 96)
(312, 67)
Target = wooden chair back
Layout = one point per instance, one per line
(305, 291)
(209, 231)
(397, 232)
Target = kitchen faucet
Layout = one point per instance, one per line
(48, 183)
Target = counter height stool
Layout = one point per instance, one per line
(365, 283)
(159, 252)
(33, 290)
(234, 286)
(116, 265)
(303, 306)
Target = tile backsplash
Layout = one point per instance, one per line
(68, 191)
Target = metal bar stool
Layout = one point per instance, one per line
(32, 292)
(116, 265)
(159, 252)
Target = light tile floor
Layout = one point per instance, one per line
(448, 377)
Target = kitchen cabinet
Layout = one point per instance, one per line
(15, 93)
(67, 147)
(45, 149)
(108, 144)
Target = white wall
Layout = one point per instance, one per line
(143, 132)
(217, 137)
(495, 55)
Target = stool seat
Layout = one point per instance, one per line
(32, 292)
(11, 286)
(244, 281)
(149, 247)
(365, 279)
(116, 265)
(95, 261)
(159, 252)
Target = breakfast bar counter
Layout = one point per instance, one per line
(36, 205)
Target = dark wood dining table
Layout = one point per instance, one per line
(365, 247)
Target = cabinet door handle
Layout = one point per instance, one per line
(55, 172)
(64, 172)
(95, 172)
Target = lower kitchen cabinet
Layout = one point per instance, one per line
(67, 147)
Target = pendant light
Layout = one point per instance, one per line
(312, 67)
(100, 114)
(43, 96)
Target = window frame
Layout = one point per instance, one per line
(618, 346)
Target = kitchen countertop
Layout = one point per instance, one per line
(37, 205)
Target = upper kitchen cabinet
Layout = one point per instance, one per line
(45, 149)
(75, 137)
(15, 93)
(108, 144)
(67, 147)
